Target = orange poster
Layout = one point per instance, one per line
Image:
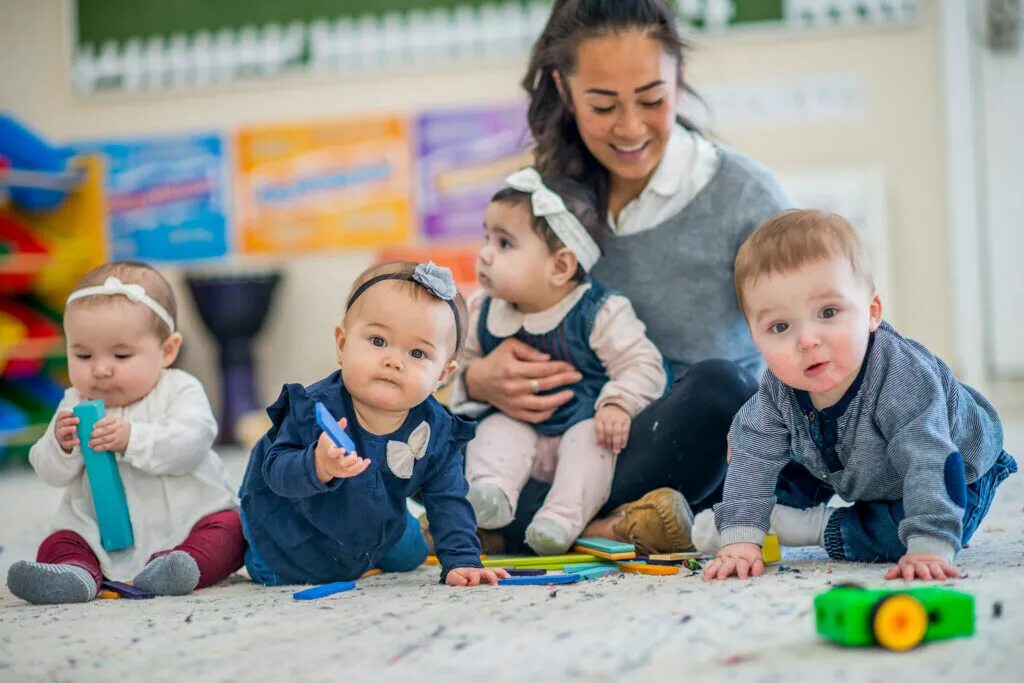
(324, 185)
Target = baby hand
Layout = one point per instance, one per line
(110, 434)
(741, 559)
(333, 462)
(66, 430)
(924, 567)
(471, 576)
(612, 427)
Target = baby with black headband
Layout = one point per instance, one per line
(314, 513)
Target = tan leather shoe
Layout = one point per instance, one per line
(660, 522)
(491, 542)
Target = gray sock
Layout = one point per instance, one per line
(50, 584)
(173, 574)
(490, 505)
(547, 537)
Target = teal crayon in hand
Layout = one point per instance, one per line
(105, 481)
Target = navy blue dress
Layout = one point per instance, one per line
(309, 532)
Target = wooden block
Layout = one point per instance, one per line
(604, 555)
(107, 595)
(676, 557)
(770, 550)
(653, 569)
(371, 572)
(605, 546)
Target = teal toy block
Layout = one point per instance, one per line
(587, 566)
(604, 545)
(105, 482)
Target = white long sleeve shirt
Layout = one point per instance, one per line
(172, 477)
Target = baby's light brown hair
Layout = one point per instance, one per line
(413, 289)
(131, 273)
(793, 238)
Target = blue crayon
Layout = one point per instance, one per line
(324, 590)
(330, 425)
(105, 482)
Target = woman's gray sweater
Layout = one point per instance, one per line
(679, 274)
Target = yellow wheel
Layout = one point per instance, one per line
(899, 622)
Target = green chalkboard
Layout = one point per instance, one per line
(99, 21)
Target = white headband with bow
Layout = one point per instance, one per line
(112, 286)
(549, 206)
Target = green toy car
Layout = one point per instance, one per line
(894, 619)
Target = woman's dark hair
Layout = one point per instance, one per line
(560, 151)
(580, 201)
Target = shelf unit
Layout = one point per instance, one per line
(42, 255)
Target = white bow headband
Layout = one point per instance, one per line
(112, 286)
(549, 206)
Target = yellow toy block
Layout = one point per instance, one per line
(770, 551)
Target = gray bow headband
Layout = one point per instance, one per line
(435, 279)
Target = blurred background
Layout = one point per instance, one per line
(262, 153)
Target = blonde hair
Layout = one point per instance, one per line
(131, 273)
(793, 238)
(413, 289)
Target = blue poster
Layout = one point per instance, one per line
(166, 197)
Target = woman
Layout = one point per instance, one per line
(604, 81)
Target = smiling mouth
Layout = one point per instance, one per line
(633, 149)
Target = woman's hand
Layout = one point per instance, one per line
(512, 375)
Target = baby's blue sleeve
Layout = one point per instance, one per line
(452, 522)
(289, 467)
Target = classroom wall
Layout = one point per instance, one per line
(900, 132)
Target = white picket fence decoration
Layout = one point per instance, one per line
(392, 42)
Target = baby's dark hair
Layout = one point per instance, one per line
(415, 289)
(132, 273)
(580, 201)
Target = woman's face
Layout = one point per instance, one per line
(624, 95)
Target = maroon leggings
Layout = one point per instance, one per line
(215, 543)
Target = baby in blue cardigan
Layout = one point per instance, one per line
(314, 513)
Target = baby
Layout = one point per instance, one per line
(121, 341)
(539, 245)
(313, 512)
(847, 407)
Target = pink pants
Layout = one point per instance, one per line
(215, 543)
(507, 452)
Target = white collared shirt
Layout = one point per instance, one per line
(688, 164)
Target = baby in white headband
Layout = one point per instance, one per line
(539, 245)
(121, 341)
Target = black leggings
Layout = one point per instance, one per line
(678, 441)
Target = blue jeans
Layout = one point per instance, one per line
(867, 531)
(406, 554)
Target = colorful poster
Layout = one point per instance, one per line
(463, 157)
(166, 197)
(324, 185)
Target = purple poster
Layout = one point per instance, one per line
(463, 157)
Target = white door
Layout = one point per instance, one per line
(1001, 115)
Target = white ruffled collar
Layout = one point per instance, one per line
(504, 319)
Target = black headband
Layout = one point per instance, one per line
(411, 277)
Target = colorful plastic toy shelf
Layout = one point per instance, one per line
(52, 230)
